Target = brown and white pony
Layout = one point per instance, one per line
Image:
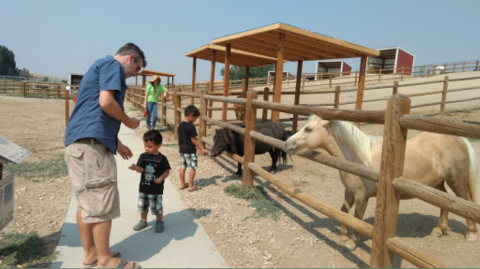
(430, 158)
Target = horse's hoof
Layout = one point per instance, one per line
(437, 231)
(472, 237)
(350, 245)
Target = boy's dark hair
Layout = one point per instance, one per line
(191, 109)
(131, 48)
(153, 135)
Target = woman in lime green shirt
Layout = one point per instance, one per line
(152, 93)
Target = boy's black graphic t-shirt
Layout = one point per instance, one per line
(186, 131)
(154, 166)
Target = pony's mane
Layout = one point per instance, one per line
(357, 142)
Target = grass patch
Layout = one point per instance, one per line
(170, 145)
(25, 250)
(53, 167)
(258, 199)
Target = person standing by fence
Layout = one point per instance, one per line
(152, 96)
(91, 139)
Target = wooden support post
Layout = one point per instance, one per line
(337, 97)
(361, 83)
(395, 87)
(444, 95)
(67, 108)
(177, 103)
(266, 93)
(203, 125)
(277, 94)
(226, 81)
(212, 82)
(247, 71)
(249, 150)
(194, 72)
(297, 95)
(393, 155)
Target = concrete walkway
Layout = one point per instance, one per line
(184, 243)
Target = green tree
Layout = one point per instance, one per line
(8, 66)
(45, 79)
(237, 73)
(24, 73)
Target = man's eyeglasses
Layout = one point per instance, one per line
(138, 65)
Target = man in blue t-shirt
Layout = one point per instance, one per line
(91, 141)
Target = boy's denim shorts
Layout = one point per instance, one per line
(152, 200)
(188, 159)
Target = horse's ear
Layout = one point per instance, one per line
(326, 124)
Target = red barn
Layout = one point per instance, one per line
(391, 60)
(333, 66)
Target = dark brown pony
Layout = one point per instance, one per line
(233, 142)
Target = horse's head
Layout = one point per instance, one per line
(311, 136)
(222, 140)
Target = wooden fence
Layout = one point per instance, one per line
(397, 121)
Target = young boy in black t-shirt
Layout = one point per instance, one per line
(154, 168)
(187, 142)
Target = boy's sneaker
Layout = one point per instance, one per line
(140, 225)
(159, 227)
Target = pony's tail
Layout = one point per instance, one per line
(472, 175)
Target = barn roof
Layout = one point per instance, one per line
(300, 44)
(237, 57)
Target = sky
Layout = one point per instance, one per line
(56, 38)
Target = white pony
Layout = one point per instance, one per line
(430, 158)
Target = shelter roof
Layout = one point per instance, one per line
(390, 52)
(300, 44)
(237, 57)
(146, 72)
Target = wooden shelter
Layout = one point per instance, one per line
(146, 73)
(228, 56)
(394, 59)
(290, 43)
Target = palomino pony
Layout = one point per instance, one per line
(430, 159)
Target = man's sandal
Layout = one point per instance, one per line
(115, 254)
(123, 263)
(184, 186)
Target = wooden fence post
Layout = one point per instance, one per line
(24, 89)
(395, 87)
(176, 114)
(454, 65)
(403, 71)
(337, 97)
(423, 73)
(303, 81)
(379, 75)
(463, 69)
(356, 76)
(164, 111)
(203, 125)
(393, 156)
(249, 150)
(58, 91)
(476, 66)
(444, 95)
(67, 108)
(266, 93)
(330, 84)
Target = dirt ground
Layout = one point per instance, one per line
(301, 237)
